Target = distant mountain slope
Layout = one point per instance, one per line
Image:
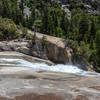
(95, 4)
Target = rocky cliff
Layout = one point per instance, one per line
(52, 48)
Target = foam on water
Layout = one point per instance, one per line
(23, 65)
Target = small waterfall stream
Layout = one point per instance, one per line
(16, 64)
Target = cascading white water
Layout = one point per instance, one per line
(25, 65)
(16, 65)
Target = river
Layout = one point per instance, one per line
(17, 62)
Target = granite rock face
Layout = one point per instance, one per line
(20, 81)
(48, 86)
(54, 50)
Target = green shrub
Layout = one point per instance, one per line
(8, 30)
(80, 52)
(29, 37)
(44, 41)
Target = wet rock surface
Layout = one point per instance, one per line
(48, 86)
(45, 85)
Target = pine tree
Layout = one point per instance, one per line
(97, 41)
(93, 28)
(65, 24)
(45, 21)
(84, 26)
(22, 6)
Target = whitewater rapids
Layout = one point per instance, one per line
(16, 65)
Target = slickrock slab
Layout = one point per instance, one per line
(14, 54)
(19, 81)
(48, 86)
(55, 40)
